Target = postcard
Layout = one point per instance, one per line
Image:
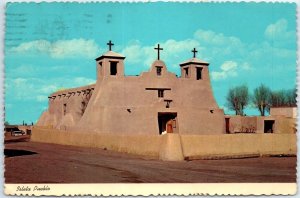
(156, 98)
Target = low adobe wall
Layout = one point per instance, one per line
(238, 145)
(135, 144)
(290, 112)
(174, 147)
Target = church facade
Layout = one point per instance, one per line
(153, 103)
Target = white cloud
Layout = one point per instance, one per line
(246, 66)
(276, 29)
(19, 81)
(279, 31)
(213, 47)
(41, 98)
(81, 81)
(36, 89)
(213, 39)
(75, 47)
(60, 48)
(134, 52)
(228, 69)
(229, 66)
(267, 51)
(46, 89)
(172, 51)
(207, 36)
(38, 46)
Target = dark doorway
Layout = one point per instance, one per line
(113, 68)
(269, 126)
(227, 125)
(199, 73)
(167, 122)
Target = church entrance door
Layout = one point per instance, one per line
(166, 122)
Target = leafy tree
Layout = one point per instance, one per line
(261, 98)
(237, 99)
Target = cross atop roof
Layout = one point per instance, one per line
(194, 52)
(110, 44)
(158, 49)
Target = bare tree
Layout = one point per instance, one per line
(291, 96)
(261, 99)
(237, 99)
(283, 98)
(232, 101)
(243, 97)
(278, 98)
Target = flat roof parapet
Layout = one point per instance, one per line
(73, 90)
(194, 61)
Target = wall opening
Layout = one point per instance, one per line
(168, 103)
(227, 125)
(269, 126)
(199, 73)
(186, 72)
(158, 70)
(113, 68)
(160, 93)
(65, 109)
(83, 107)
(167, 122)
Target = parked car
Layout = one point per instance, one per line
(18, 133)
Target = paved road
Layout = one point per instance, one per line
(29, 162)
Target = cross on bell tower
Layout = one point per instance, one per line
(158, 49)
(110, 44)
(194, 52)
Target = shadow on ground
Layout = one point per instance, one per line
(15, 152)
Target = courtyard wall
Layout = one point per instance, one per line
(238, 145)
(255, 124)
(163, 146)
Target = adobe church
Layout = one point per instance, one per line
(154, 103)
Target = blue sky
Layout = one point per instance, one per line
(49, 46)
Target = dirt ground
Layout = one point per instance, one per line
(30, 162)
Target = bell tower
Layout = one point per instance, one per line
(110, 64)
(194, 69)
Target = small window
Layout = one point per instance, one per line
(199, 73)
(100, 63)
(186, 72)
(65, 109)
(160, 93)
(158, 71)
(113, 68)
(168, 104)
